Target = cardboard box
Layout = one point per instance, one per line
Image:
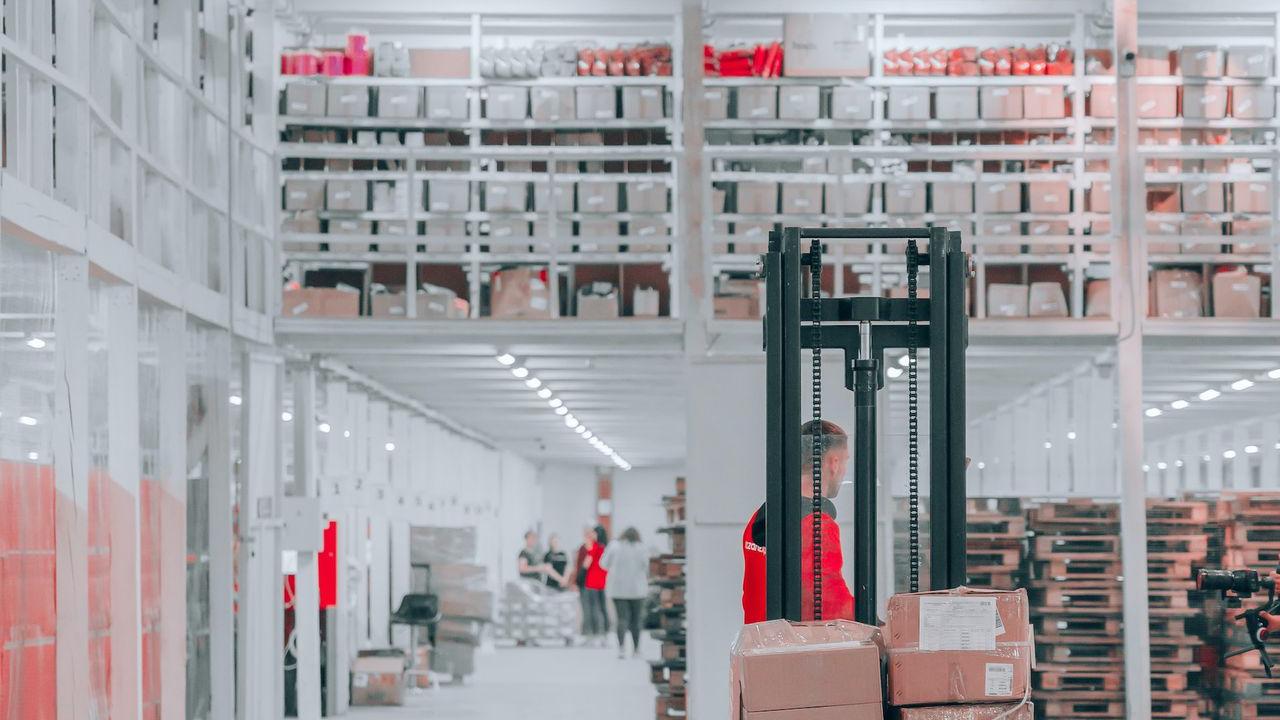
(597, 301)
(440, 63)
(349, 226)
(597, 197)
(826, 45)
(646, 196)
(1102, 101)
(395, 228)
(1204, 101)
(596, 102)
(643, 102)
(1001, 103)
(431, 303)
(1251, 196)
(390, 197)
(650, 235)
(1097, 298)
(1178, 294)
(645, 302)
(399, 101)
(304, 222)
(320, 302)
(1206, 197)
(1246, 227)
(506, 102)
(802, 198)
(347, 101)
(1000, 197)
(964, 645)
(1157, 101)
(956, 103)
(735, 307)
(1200, 61)
(519, 292)
(952, 197)
(350, 195)
(757, 102)
(851, 102)
(798, 102)
(563, 193)
(849, 198)
(447, 103)
(904, 197)
(1237, 295)
(1253, 102)
(1164, 198)
(304, 98)
(1250, 61)
(303, 194)
(757, 198)
(1154, 60)
(1046, 299)
(448, 196)
(1003, 301)
(715, 103)
(1044, 102)
(377, 681)
(551, 104)
(505, 196)
(1002, 711)
(1098, 196)
(908, 103)
(1049, 196)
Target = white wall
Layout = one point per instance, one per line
(569, 493)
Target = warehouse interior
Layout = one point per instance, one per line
(243, 476)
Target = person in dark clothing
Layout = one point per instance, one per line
(528, 564)
(558, 561)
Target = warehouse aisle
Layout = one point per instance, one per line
(537, 684)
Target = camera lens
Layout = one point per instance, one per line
(1215, 580)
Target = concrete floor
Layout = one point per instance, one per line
(537, 683)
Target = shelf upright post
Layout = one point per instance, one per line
(410, 249)
(472, 253)
(677, 240)
(878, 99)
(1129, 283)
(1275, 182)
(692, 202)
(1078, 90)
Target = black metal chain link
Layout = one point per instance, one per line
(913, 420)
(815, 292)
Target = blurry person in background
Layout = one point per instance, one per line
(558, 562)
(595, 617)
(529, 566)
(627, 562)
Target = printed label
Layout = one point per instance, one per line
(1147, 106)
(538, 303)
(958, 623)
(1199, 189)
(999, 679)
(1240, 287)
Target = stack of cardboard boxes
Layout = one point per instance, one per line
(1177, 547)
(464, 592)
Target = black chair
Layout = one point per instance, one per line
(417, 610)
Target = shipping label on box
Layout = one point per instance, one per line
(802, 198)
(757, 198)
(352, 195)
(1001, 103)
(643, 103)
(826, 45)
(956, 103)
(347, 101)
(597, 197)
(398, 101)
(1250, 196)
(304, 98)
(646, 196)
(952, 197)
(757, 103)
(1206, 196)
(851, 102)
(1178, 294)
(1253, 102)
(1000, 197)
(908, 103)
(1157, 101)
(715, 103)
(1049, 196)
(1102, 101)
(1200, 61)
(1251, 61)
(447, 103)
(552, 104)
(1043, 102)
(505, 196)
(394, 228)
(303, 194)
(507, 102)
(347, 226)
(448, 196)
(1204, 101)
(647, 229)
(596, 103)
(1047, 300)
(798, 102)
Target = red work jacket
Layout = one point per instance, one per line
(837, 601)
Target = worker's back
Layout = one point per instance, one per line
(837, 602)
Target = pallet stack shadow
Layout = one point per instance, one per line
(667, 576)
(1076, 609)
(1252, 541)
(1177, 546)
(996, 542)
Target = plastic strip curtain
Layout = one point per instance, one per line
(203, 346)
(102, 494)
(151, 502)
(27, 540)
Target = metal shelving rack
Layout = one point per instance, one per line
(552, 246)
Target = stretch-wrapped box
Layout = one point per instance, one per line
(1001, 711)
(964, 645)
(1178, 294)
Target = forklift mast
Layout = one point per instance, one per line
(863, 327)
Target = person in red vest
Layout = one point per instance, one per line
(837, 601)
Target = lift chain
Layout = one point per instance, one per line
(815, 291)
(913, 418)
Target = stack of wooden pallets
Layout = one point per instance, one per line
(1177, 546)
(1076, 607)
(996, 542)
(666, 574)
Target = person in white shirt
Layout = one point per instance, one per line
(627, 561)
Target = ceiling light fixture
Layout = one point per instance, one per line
(562, 410)
(587, 435)
(581, 429)
(36, 343)
(1230, 454)
(286, 416)
(544, 393)
(1146, 468)
(1242, 384)
(533, 383)
(521, 372)
(570, 421)
(982, 466)
(1071, 435)
(1251, 449)
(1274, 374)
(555, 402)
(346, 433)
(1154, 412)
(1179, 404)
(33, 455)
(324, 427)
(1207, 458)
(1209, 394)
(894, 373)
(28, 421)
(1162, 466)
(390, 446)
(506, 359)
(557, 405)
(235, 400)
(1048, 445)
(904, 361)
(1179, 463)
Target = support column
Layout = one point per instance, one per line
(1130, 302)
(690, 244)
(222, 616)
(171, 480)
(306, 608)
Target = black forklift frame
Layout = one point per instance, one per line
(863, 327)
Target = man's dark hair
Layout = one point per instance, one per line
(602, 535)
(631, 535)
(833, 437)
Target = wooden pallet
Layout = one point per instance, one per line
(1057, 596)
(993, 559)
(1074, 626)
(1188, 708)
(1100, 707)
(1177, 547)
(1067, 569)
(1169, 627)
(1167, 599)
(668, 567)
(1078, 547)
(1169, 682)
(998, 580)
(670, 706)
(675, 507)
(988, 528)
(1080, 679)
(1180, 569)
(1249, 535)
(1265, 558)
(1250, 506)
(1177, 512)
(1052, 651)
(1011, 507)
(1250, 687)
(1075, 512)
(1249, 710)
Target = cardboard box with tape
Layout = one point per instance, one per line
(826, 45)
(519, 292)
(377, 680)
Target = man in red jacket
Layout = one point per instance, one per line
(837, 601)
